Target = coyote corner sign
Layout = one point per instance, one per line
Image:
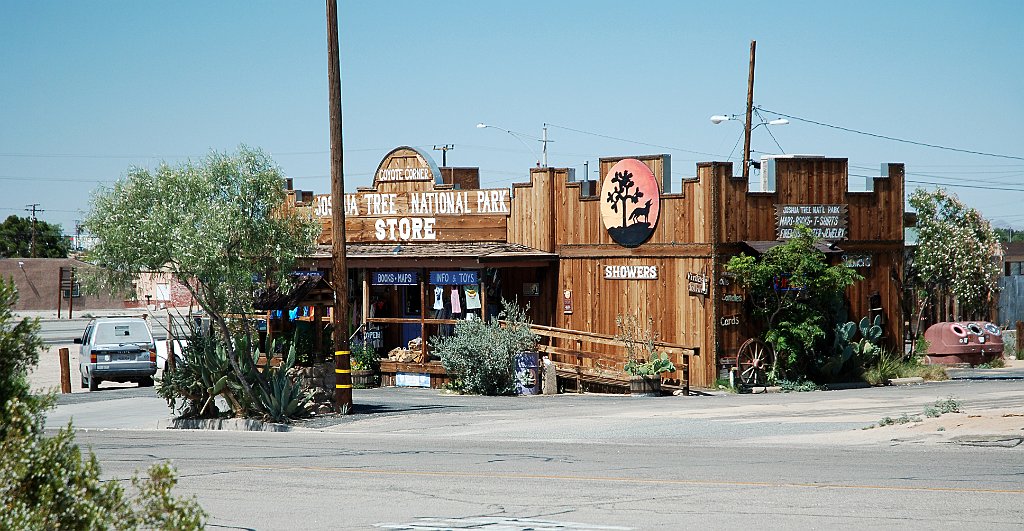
(406, 164)
(630, 202)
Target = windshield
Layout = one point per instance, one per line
(124, 332)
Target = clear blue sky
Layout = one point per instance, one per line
(91, 88)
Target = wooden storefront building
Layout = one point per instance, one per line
(583, 253)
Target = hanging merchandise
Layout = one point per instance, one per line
(456, 303)
(439, 298)
(472, 297)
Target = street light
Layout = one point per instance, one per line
(719, 118)
(518, 136)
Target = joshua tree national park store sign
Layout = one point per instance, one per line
(409, 203)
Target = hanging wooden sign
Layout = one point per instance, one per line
(394, 278)
(697, 284)
(454, 278)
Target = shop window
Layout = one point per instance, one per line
(1013, 268)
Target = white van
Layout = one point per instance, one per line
(117, 349)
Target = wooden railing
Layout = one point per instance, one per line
(599, 359)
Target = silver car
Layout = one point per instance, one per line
(117, 349)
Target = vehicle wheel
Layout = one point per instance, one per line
(84, 383)
(94, 383)
(754, 360)
(146, 382)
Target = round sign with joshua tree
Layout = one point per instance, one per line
(632, 202)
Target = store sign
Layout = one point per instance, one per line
(630, 272)
(697, 284)
(732, 297)
(531, 289)
(857, 260)
(632, 202)
(394, 278)
(421, 216)
(827, 222)
(731, 320)
(454, 278)
(567, 301)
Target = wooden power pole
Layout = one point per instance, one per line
(339, 269)
(750, 109)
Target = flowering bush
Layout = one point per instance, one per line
(956, 251)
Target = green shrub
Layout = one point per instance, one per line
(365, 358)
(48, 482)
(480, 356)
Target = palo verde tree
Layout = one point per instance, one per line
(623, 182)
(798, 295)
(17, 235)
(220, 226)
(955, 254)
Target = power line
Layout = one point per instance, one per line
(894, 139)
(633, 141)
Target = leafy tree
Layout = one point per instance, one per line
(955, 254)
(1008, 235)
(798, 295)
(219, 226)
(16, 239)
(624, 181)
(47, 482)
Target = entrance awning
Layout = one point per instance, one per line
(465, 254)
(760, 247)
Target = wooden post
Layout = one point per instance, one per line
(71, 294)
(60, 290)
(423, 316)
(318, 329)
(65, 371)
(750, 109)
(366, 296)
(483, 296)
(339, 269)
(1020, 337)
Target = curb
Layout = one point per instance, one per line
(913, 380)
(221, 424)
(845, 385)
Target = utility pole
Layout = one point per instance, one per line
(33, 208)
(444, 153)
(750, 109)
(544, 146)
(339, 269)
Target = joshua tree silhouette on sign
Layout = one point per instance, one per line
(624, 181)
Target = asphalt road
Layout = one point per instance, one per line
(416, 459)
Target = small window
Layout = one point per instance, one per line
(130, 332)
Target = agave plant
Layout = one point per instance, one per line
(281, 398)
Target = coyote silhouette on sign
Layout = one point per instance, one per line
(629, 222)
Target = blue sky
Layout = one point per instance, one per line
(91, 88)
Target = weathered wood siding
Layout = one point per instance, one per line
(700, 226)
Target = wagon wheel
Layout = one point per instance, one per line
(753, 361)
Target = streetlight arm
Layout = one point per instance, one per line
(517, 136)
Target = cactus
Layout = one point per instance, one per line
(871, 332)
